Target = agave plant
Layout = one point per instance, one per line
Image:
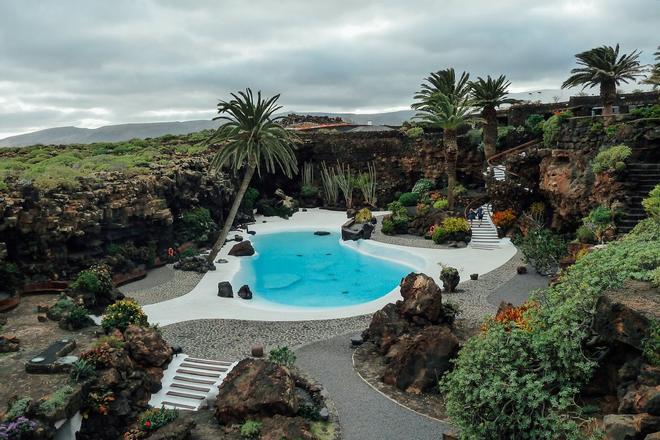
(603, 67)
(488, 94)
(251, 139)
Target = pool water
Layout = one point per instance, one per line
(306, 270)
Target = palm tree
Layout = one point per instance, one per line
(654, 78)
(602, 66)
(448, 113)
(442, 81)
(252, 139)
(488, 94)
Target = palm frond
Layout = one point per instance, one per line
(603, 64)
(491, 92)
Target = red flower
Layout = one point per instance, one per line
(147, 424)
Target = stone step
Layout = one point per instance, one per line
(179, 405)
(193, 380)
(186, 395)
(183, 386)
(204, 367)
(198, 373)
(207, 361)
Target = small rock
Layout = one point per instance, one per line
(42, 308)
(222, 261)
(521, 270)
(321, 233)
(238, 238)
(474, 276)
(9, 343)
(304, 210)
(356, 340)
(461, 244)
(324, 414)
(225, 290)
(245, 292)
(252, 232)
(42, 318)
(242, 249)
(257, 351)
(177, 349)
(263, 221)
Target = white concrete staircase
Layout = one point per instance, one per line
(499, 173)
(190, 383)
(484, 235)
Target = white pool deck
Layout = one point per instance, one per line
(203, 303)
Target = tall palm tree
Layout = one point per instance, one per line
(654, 78)
(443, 81)
(488, 94)
(449, 114)
(252, 139)
(602, 66)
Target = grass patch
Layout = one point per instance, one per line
(323, 430)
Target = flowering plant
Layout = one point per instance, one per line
(504, 219)
(17, 428)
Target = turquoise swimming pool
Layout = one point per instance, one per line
(306, 270)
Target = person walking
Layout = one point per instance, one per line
(471, 216)
(480, 214)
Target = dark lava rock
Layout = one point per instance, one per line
(321, 233)
(245, 292)
(222, 261)
(225, 290)
(356, 340)
(257, 351)
(521, 270)
(178, 429)
(474, 276)
(254, 389)
(353, 231)
(386, 326)
(279, 427)
(422, 299)
(252, 232)
(238, 238)
(9, 343)
(242, 249)
(324, 414)
(450, 278)
(147, 346)
(196, 263)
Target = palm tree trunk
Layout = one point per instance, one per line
(232, 212)
(451, 151)
(608, 96)
(490, 130)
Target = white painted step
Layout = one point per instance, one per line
(190, 383)
(484, 236)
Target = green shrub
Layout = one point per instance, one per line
(522, 382)
(542, 249)
(57, 401)
(452, 225)
(387, 227)
(415, 132)
(77, 318)
(409, 199)
(647, 111)
(250, 198)
(651, 204)
(601, 215)
(250, 429)
(423, 186)
(534, 124)
(113, 249)
(189, 252)
(551, 127)
(441, 204)
(18, 408)
(439, 235)
(309, 412)
(11, 278)
(122, 314)
(655, 277)
(81, 370)
(596, 127)
(585, 234)
(96, 281)
(364, 215)
(459, 189)
(154, 418)
(282, 356)
(611, 159)
(651, 345)
(308, 191)
(62, 306)
(474, 137)
(196, 225)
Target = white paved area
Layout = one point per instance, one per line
(203, 303)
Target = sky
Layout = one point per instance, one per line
(90, 63)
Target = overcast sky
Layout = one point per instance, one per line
(91, 63)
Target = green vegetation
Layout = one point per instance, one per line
(611, 159)
(250, 199)
(50, 167)
(250, 429)
(521, 381)
(252, 140)
(409, 199)
(415, 132)
(423, 186)
(364, 215)
(18, 408)
(552, 125)
(605, 68)
(196, 225)
(650, 111)
(438, 235)
(81, 370)
(282, 356)
(10, 276)
(452, 225)
(122, 314)
(585, 234)
(62, 306)
(76, 318)
(534, 124)
(307, 191)
(651, 345)
(542, 249)
(651, 204)
(397, 221)
(57, 401)
(322, 430)
(96, 281)
(599, 220)
(440, 204)
(154, 418)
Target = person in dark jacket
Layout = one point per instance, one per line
(471, 216)
(480, 214)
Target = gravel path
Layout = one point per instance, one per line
(161, 284)
(517, 289)
(364, 413)
(230, 339)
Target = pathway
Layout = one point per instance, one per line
(364, 413)
(484, 233)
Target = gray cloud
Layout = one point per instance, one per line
(91, 63)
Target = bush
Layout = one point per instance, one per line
(647, 111)
(542, 249)
(282, 356)
(423, 186)
(459, 189)
(196, 225)
(415, 132)
(18, 429)
(364, 215)
(504, 219)
(552, 125)
(96, 281)
(522, 383)
(250, 429)
(651, 345)
(438, 235)
(409, 199)
(585, 234)
(309, 191)
(452, 225)
(81, 370)
(474, 137)
(441, 204)
(611, 159)
(18, 408)
(651, 204)
(387, 226)
(534, 124)
(57, 401)
(155, 418)
(250, 198)
(122, 314)
(77, 318)
(599, 220)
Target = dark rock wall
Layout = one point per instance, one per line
(55, 234)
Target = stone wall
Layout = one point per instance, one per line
(56, 233)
